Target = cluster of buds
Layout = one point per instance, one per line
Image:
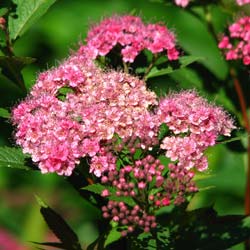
(151, 185)
(128, 217)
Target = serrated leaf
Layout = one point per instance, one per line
(28, 12)
(12, 158)
(60, 228)
(4, 113)
(203, 229)
(173, 66)
(98, 188)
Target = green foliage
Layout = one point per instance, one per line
(27, 13)
(4, 113)
(112, 237)
(98, 188)
(12, 67)
(62, 93)
(196, 39)
(12, 158)
(203, 229)
(184, 61)
(200, 229)
(163, 131)
(69, 240)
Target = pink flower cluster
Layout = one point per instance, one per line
(79, 110)
(195, 125)
(57, 133)
(242, 2)
(182, 3)
(132, 36)
(9, 242)
(237, 44)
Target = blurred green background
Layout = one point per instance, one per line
(50, 40)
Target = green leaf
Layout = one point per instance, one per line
(28, 12)
(95, 188)
(62, 93)
(113, 236)
(163, 131)
(3, 11)
(194, 37)
(12, 158)
(51, 244)
(203, 229)
(187, 78)
(12, 66)
(60, 228)
(4, 113)
(98, 188)
(173, 66)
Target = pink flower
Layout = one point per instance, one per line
(132, 36)
(95, 106)
(8, 242)
(237, 45)
(242, 2)
(182, 3)
(195, 125)
(105, 193)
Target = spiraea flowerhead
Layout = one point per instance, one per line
(80, 110)
(73, 108)
(182, 3)
(131, 36)
(236, 45)
(242, 2)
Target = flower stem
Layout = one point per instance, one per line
(243, 107)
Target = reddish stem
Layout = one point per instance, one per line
(243, 107)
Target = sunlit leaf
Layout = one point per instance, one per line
(112, 236)
(12, 158)
(182, 62)
(27, 13)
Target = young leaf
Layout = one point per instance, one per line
(28, 12)
(59, 227)
(113, 236)
(12, 158)
(98, 188)
(4, 113)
